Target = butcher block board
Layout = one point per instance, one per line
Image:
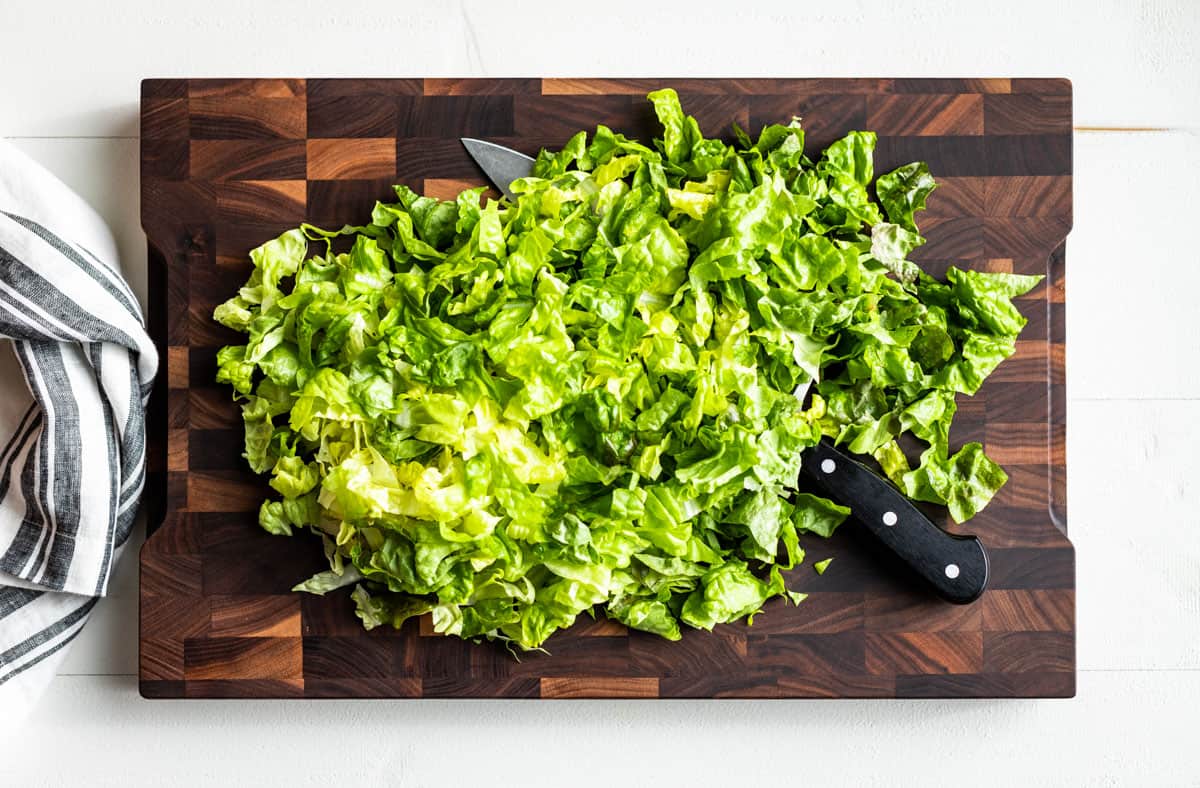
(228, 164)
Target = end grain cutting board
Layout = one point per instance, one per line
(228, 164)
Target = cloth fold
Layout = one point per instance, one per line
(72, 459)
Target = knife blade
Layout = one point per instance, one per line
(954, 566)
(501, 165)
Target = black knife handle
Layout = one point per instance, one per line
(956, 566)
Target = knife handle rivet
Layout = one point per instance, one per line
(889, 518)
(828, 466)
(952, 571)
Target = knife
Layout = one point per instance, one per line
(954, 566)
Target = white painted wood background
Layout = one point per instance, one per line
(69, 73)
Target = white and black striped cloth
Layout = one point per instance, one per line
(72, 426)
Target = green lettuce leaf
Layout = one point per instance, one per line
(890, 245)
(964, 482)
(902, 193)
(323, 582)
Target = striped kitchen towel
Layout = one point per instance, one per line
(72, 421)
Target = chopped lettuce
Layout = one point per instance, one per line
(506, 415)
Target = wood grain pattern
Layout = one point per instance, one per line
(1027, 113)
(1028, 652)
(235, 159)
(236, 658)
(926, 115)
(351, 159)
(916, 653)
(248, 200)
(227, 164)
(956, 197)
(1020, 610)
(246, 117)
(585, 687)
(256, 616)
(355, 115)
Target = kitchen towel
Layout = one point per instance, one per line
(72, 426)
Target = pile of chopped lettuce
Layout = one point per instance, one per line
(598, 396)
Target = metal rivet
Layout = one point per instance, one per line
(889, 518)
(952, 571)
(828, 466)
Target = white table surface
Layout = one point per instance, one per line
(69, 73)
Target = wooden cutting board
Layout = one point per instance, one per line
(228, 164)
